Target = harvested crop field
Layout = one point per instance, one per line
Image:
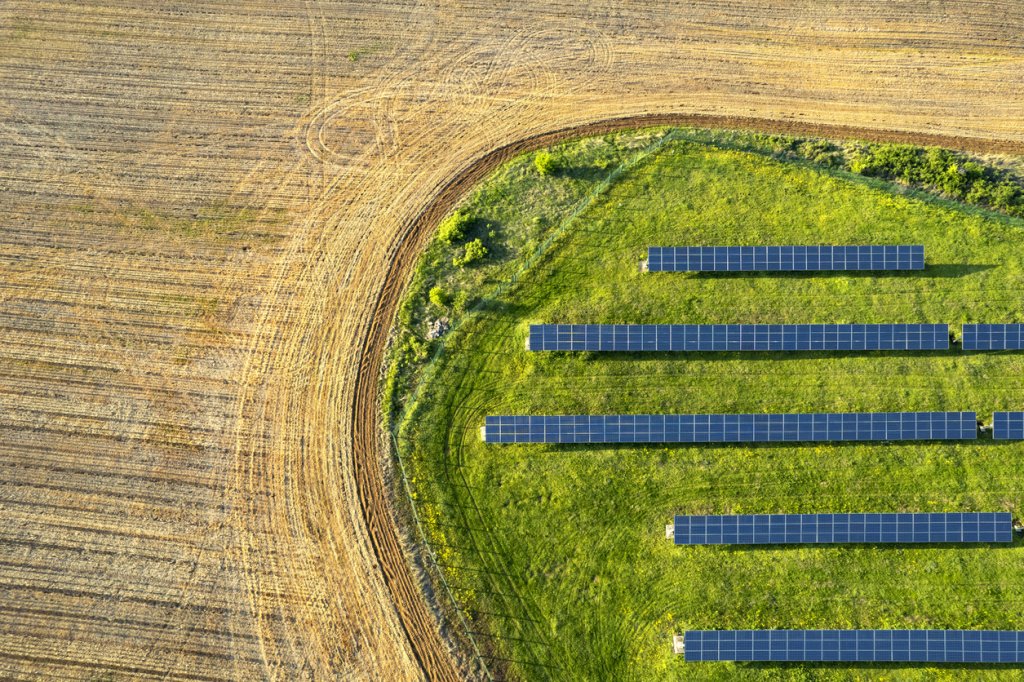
(207, 217)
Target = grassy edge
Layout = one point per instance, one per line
(393, 417)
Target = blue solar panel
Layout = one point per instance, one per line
(737, 337)
(1008, 425)
(848, 646)
(731, 428)
(993, 336)
(784, 529)
(783, 258)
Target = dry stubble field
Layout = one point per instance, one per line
(200, 208)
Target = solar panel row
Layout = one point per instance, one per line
(776, 529)
(993, 336)
(921, 646)
(737, 337)
(1008, 426)
(731, 428)
(783, 258)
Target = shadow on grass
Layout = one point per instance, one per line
(589, 173)
(867, 665)
(938, 270)
(954, 270)
(767, 355)
(983, 440)
(961, 546)
(503, 308)
(528, 664)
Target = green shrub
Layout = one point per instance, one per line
(453, 228)
(949, 173)
(415, 349)
(545, 163)
(475, 251)
(821, 152)
(461, 302)
(438, 297)
(1006, 196)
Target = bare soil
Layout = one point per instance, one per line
(208, 217)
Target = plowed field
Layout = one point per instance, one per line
(207, 213)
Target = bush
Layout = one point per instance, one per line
(890, 161)
(453, 228)
(1008, 197)
(545, 163)
(950, 173)
(475, 250)
(461, 302)
(414, 349)
(438, 297)
(821, 152)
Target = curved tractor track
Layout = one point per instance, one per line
(209, 214)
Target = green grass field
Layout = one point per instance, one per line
(559, 554)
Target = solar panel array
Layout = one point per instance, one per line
(731, 428)
(993, 336)
(783, 258)
(920, 646)
(1008, 425)
(737, 337)
(781, 529)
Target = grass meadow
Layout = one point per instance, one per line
(558, 553)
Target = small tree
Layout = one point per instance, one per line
(453, 228)
(438, 297)
(544, 162)
(475, 250)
